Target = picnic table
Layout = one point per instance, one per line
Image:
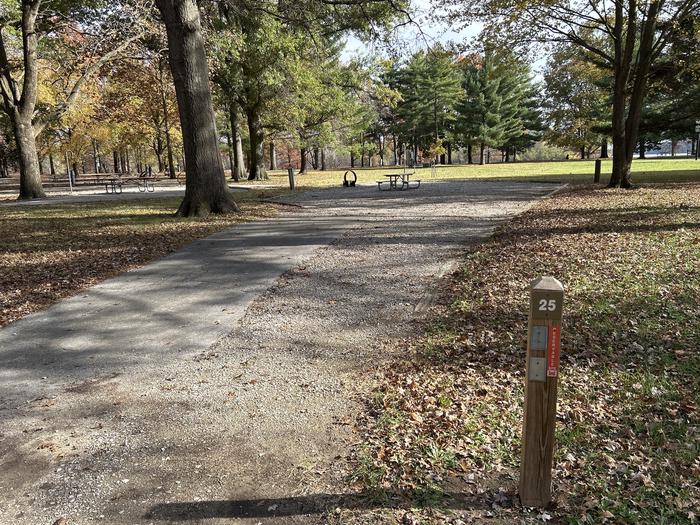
(393, 181)
(113, 183)
(144, 184)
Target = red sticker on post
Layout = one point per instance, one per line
(554, 341)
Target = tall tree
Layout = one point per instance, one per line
(429, 87)
(625, 36)
(206, 190)
(34, 28)
(577, 100)
(489, 112)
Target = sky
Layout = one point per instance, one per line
(412, 38)
(428, 33)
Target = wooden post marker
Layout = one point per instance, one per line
(596, 175)
(541, 375)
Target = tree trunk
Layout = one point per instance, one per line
(626, 130)
(481, 154)
(21, 109)
(273, 156)
(158, 148)
(52, 166)
(642, 148)
(674, 144)
(206, 190)
(604, 149)
(622, 62)
(449, 153)
(166, 122)
(352, 159)
(583, 152)
(238, 167)
(324, 167)
(95, 156)
(303, 161)
(30, 178)
(257, 153)
(314, 159)
(229, 143)
(470, 158)
(396, 157)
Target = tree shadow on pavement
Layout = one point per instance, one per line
(294, 506)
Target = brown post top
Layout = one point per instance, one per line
(547, 284)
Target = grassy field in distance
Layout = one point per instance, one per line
(572, 171)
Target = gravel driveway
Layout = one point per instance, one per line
(257, 427)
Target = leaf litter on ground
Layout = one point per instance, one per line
(443, 427)
(54, 251)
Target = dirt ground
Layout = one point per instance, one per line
(256, 428)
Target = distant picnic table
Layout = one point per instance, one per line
(393, 182)
(144, 182)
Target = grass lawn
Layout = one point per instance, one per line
(48, 252)
(443, 434)
(574, 171)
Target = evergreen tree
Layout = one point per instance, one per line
(484, 115)
(429, 90)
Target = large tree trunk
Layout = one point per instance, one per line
(257, 153)
(206, 190)
(623, 59)
(23, 111)
(30, 177)
(639, 88)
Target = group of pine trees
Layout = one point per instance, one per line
(447, 100)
